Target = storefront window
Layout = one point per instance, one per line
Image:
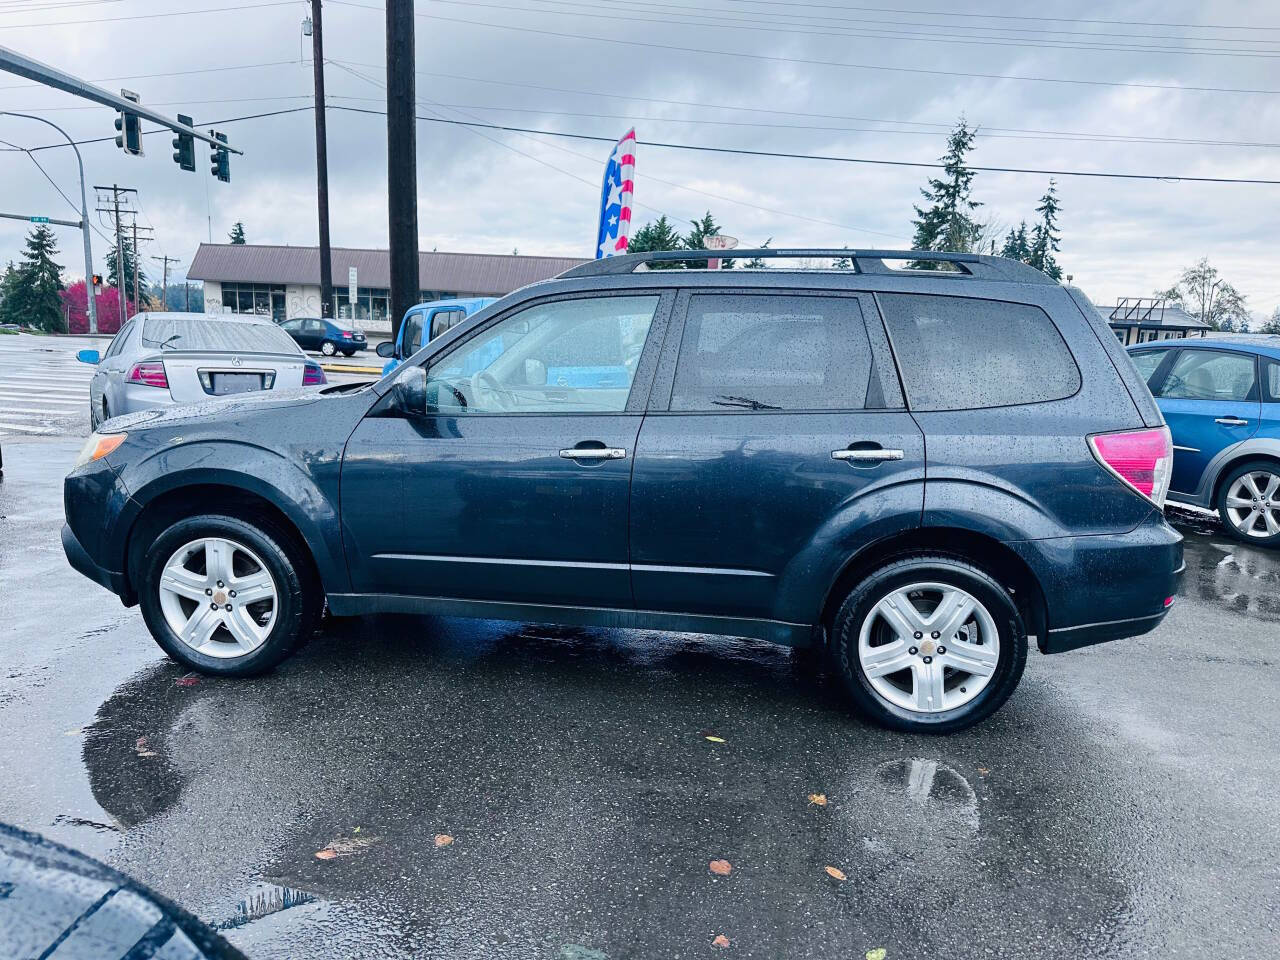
(259, 299)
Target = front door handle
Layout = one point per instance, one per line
(594, 453)
(866, 456)
(1232, 422)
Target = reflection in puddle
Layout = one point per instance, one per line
(1231, 575)
(920, 810)
(262, 901)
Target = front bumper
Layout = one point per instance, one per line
(1101, 588)
(81, 562)
(97, 505)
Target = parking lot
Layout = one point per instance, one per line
(475, 789)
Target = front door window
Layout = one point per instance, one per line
(569, 356)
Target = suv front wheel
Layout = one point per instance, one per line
(226, 596)
(929, 644)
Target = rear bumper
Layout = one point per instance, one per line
(1103, 588)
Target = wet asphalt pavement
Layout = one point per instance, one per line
(1124, 803)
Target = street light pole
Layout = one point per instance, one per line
(84, 220)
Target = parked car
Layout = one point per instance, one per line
(426, 321)
(58, 903)
(329, 337)
(908, 470)
(162, 359)
(1221, 398)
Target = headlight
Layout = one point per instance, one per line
(98, 446)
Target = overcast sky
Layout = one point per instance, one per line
(689, 71)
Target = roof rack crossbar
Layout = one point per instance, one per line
(866, 261)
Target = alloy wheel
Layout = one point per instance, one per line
(929, 647)
(1253, 504)
(218, 597)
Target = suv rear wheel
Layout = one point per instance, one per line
(226, 596)
(1249, 503)
(929, 644)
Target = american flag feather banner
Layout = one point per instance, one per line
(615, 198)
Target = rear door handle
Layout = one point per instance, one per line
(1232, 422)
(866, 456)
(594, 453)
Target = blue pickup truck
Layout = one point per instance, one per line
(425, 322)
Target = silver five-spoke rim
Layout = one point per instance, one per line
(218, 597)
(929, 647)
(1253, 504)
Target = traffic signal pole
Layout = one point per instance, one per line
(84, 220)
(322, 161)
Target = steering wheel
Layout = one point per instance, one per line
(485, 382)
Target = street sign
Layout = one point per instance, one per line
(719, 242)
(351, 290)
(39, 219)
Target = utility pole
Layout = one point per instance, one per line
(322, 160)
(114, 209)
(164, 285)
(402, 161)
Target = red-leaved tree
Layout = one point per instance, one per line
(107, 302)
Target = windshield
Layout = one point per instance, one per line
(184, 333)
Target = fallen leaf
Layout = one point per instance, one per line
(328, 853)
(721, 868)
(715, 739)
(983, 771)
(141, 748)
(877, 953)
(835, 873)
(356, 830)
(720, 941)
(190, 680)
(346, 846)
(818, 799)
(443, 839)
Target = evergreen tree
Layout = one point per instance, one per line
(8, 284)
(131, 266)
(237, 233)
(1272, 325)
(947, 223)
(759, 263)
(842, 263)
(33, 289)
(1016, 246)
(1045, 237)
(658, 235)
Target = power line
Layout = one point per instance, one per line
(702, 51)
(864, 32)
(1011, 16)
(150, 16)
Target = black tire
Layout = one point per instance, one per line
(299, 595)
(1253, 466)
(348, 353)
(942, 569)
(328, 348)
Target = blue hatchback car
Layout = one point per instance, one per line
(1221, 399)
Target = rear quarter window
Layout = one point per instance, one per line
(963, 353)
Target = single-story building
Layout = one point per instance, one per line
(1145, 319)
(284, 282)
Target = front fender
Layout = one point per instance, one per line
(304, 490)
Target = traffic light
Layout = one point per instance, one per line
(184, 146)
(96, 282)
(129, 126)
(219, 158)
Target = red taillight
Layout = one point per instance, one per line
(1143, 459)
(149, 375)
(312, 375)
(346, 334)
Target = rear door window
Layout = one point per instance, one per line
(772, 352)
(445, 320)
(963, 353)
(1210, 375)
(1271, 380)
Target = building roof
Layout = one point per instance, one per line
(480, 273)
(1170, 315)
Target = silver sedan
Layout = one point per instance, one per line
(162, 359)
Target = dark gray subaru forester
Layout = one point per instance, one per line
(911, 469)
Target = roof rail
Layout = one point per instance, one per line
(865, 261)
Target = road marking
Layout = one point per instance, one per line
(26, 398)
(26, 429)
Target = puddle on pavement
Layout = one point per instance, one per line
(263, 900)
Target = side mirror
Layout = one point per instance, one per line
(411, 392)
(89, 356)
(535, 373)
(386, 348)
